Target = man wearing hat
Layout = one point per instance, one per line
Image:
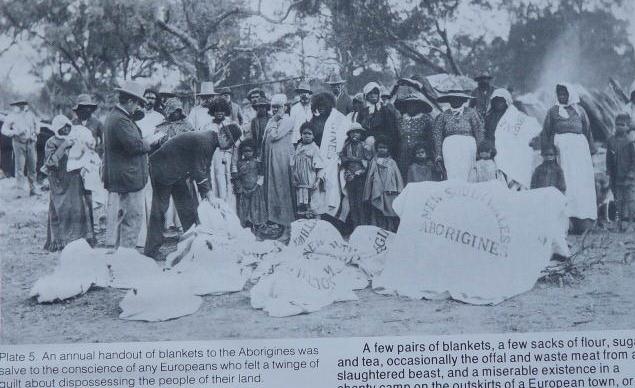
(237, 114)
(343, 101)
(482, 93)
(23, 127)
(301, 111)
(199, 116)
(185, 156)
(84, 109)
(125, 166)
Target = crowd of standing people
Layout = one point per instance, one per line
(328, 155)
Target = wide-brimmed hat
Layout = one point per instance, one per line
(19, 102)
(207, 89)
(167, 93)
(334, 79)
(262, 101)
(454, 93)
(356, 127)
(133, 89)
(84, 100)
(257, 91)
(304, 87)
(483, 76)
(407, 94)
(224, 90)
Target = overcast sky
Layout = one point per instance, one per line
(16, 63)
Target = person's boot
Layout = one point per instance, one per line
(286, 235)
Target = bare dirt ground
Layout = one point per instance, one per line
(603, 299)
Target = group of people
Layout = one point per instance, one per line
(331, 156)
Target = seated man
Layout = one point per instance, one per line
(187, 155)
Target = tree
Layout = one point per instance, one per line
(97, 42)
(203, 39)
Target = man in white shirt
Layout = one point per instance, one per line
(23, 127)
(199, 116)
(151, 116)
(301, 112)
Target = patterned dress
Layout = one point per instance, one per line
(413, 130)
(252, 209)
(305, 164)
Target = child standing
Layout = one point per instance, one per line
(485, 168)
(383, 184)
(305, 165)
(252, 209)
(354, 158)
(549, 172)
(422, 168)
(620, 161)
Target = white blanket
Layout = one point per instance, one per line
(514, 156)
(478, 243)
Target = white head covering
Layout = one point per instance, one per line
(279, 99)
(369, 88)
(504, 94)
(59, 122)
(574, 99)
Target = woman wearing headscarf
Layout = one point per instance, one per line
(379, 120)
(415, 125)
(276, 166)
(456, 133)
(69, 216)
(567, 127)
(511, 131)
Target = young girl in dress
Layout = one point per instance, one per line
(383, 184)
(485, 168)
(252, 209)
(422, 167)
(305, 165)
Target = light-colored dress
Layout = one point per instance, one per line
(277, 152)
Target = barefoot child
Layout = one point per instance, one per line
(305, 164)
(252, 209)
(383, 184)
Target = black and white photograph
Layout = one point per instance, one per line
(189, 170)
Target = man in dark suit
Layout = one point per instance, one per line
(185, 156)
(125, 167)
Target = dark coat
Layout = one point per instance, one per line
(125, 160)
(381, 123)
(185, 155)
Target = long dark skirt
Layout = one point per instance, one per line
(70, 212)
